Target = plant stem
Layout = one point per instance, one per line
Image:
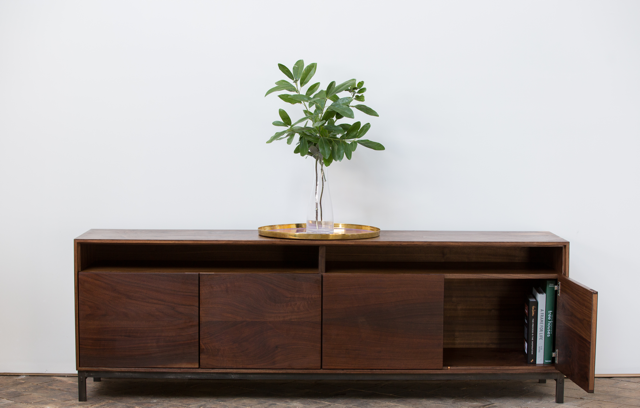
(322, 191)
(316, 192)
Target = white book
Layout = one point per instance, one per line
(541, 297)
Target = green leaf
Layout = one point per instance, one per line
(274, 89)
(287, 98)
(344, 101)
(278, 123)
(328, 161)
(297, 69)
(363, 131)
(367, 110)
(302, 120)
(309, 138)
(371, 145)
(345, 126)
(333, 128)
(330, 88)
(308, 73)
(304, 146)
(290, 138)
(354, 146)
(286, 71)
(312, 89)
(300, 98)
(342, 110)
(338, 150)
(339, 116)
(363, 90)
(320, 99)
(277, 136)
(297, 149)
(324, 147)
(353, 131)
(343, 86)
(334, 98)
(320, 123)
(285, 117)
(347, 149)
(328, 115)
(286, 85)
(360, 84)
(359, 98)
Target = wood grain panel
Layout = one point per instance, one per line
(138, 320)
(378, 321)
(260, 320)
(484, 313)
(576, 332)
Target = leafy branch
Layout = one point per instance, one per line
(321, 136)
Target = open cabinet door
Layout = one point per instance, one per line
(576, 332)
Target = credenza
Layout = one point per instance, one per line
(408, 305)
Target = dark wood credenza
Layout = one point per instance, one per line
(409, 305)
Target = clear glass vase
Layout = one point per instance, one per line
(320, 210)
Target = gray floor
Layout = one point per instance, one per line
(42, 391)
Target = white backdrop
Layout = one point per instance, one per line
(496, 115)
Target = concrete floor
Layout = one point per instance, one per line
(42, 391)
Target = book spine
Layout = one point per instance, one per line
(540, 297)
(550, 312)
(531, 313)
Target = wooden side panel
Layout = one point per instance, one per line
(576, 332)
(484, 313)
(260, 320)
(138, 320)
(378, 321)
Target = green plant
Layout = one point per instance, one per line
(321, 136)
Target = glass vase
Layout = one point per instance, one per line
(320, 210)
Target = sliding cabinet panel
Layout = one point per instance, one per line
(576, 332)
(382, 321)
(260, 320)
(138, 319)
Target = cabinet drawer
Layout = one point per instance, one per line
(382, 321)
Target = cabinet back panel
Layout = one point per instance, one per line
(484, 313)
(189, 255)
(341, 258)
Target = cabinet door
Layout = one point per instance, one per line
(576, 332)
(260, 320)
(138, 319)
(382, 321)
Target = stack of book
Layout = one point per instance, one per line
(539, 323)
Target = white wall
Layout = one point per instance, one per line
(496, 115)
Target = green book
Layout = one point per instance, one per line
(549, 286)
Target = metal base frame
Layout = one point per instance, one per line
(98, 375)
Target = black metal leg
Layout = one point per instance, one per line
(560, 389)
(82, 386)
(540, 381)
(97, 379)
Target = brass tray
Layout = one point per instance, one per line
(341, 231)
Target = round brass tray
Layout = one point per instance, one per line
(341, 231)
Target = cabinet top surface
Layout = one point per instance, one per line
(385, 238)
